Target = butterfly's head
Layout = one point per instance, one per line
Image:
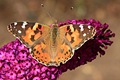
(54, 25)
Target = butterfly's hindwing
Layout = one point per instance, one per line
(64, 52)
(41, 51)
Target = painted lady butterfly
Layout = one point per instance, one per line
(52, 45)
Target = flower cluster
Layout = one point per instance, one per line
(16, 63)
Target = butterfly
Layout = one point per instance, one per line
(53, 45)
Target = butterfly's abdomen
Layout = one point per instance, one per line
(53, 41)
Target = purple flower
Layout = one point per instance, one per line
(16, 63)
(36, 78)
(10, 75)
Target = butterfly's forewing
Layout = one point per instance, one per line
(34, 36)
(27, 32)
(77, 35)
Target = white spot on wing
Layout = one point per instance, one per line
(89, 26)
(72, 29)
(24, 23)
(19, 31)
(81, 27)
(15, 23)
(84, 34)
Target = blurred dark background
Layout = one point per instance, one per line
(106, 67)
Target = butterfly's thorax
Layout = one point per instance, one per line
(53, 36)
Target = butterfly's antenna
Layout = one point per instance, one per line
(48, 13)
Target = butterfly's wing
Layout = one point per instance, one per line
(72, 37)
(28, 32)
(35, 36)
(77, 35)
